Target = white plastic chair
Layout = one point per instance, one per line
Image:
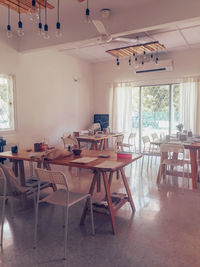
(61, 197)
(167, 159)
(69, 141)
(131, 142)
(148, 150)
(118, 142)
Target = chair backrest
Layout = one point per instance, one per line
(174, 148)
(154, 136)
(13, 187)
(54, 177)
(131, 137)
(145, 139)
(69, 141)
(3, 183)
(95, 127)
(119, 140)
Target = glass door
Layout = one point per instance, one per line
(155, 110)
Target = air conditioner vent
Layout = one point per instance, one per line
(162, 65)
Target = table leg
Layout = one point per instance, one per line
(15, 167)
(21, 172)
(193, 159)
(127, 189)
(110, 178)
(91, 190)
(109, 200)
(162, 167)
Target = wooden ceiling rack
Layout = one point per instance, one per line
(25, 5)
(138, 49)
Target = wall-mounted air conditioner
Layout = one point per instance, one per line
(161, 65)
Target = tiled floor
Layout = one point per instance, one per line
(164, 231)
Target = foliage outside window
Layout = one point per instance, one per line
(6, 103)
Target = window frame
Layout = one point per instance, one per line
(11, 99)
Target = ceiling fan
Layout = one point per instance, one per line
(105, 37)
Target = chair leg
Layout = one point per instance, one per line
(92, 216)
(2, 220)
(11, 206)
(65, 234)
(36, 225)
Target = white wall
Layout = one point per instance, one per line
(48, 100)
(186, 63)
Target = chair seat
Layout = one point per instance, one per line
(174, 162)
(151, 153)
(59, 198)
(126, 145)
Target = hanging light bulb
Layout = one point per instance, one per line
(33, 12)
(129, 61)
(20, 31)
(9, 31)
(118, 63)
(40, 31)
(58, 30)
(156, 60)
(87, 14)
(46, 28)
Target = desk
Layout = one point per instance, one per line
(98, 141)
(106, 173)
(194, 149)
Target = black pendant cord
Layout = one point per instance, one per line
(46, 12)
(8, 15)
(39, 13)
(58, 11)
(19, 10)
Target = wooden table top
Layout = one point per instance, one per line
(67, 161)
(97, 137)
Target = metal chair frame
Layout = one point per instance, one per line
(61, 197)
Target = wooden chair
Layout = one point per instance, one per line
(61, 197)
(173, 156)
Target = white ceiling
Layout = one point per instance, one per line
(181, 36)
(165, 21)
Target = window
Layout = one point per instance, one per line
(6, 103)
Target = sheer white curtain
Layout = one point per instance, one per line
(189, 110)
(122, 107)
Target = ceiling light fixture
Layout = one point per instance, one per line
(58, 30)
(46, 27)
(9, 31)
(20, 31)
(87, 14)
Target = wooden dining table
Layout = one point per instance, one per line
(98, 141)
(194, 150)
(103, 168)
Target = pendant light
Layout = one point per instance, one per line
(46, 28)
(40, 31)
(33, 12)
(87, 14)
(20, 31)
(58, 30)
(9, 31)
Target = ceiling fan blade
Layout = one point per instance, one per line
(128, 40)
(100, 27)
